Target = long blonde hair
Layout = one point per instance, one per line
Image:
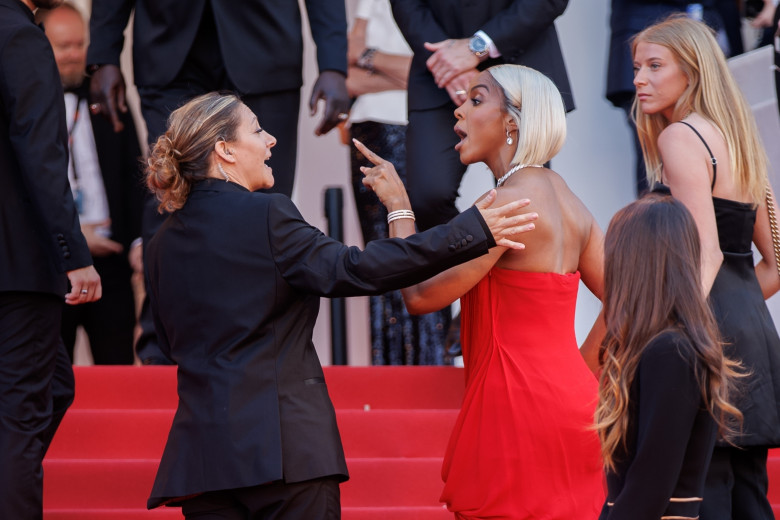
(656, 236)
(712, 93)
(535, 103)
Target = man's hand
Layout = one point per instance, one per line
(458, 87)
(85, 286)
(100, 245)
(331, 87)
(450, 58)
(107, 94)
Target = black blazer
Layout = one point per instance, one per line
(670, 438)
(260, 40)
(523, 31)
(40, 237)
(235, 281)
(119, 156)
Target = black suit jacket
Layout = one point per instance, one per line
(119, 156)
(235, 282)
(523, 31)
(260, 40)
(40, 237)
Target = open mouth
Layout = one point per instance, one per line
(460, 133)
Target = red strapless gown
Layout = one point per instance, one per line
(521, 447)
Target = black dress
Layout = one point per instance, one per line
(746, 326)
(737, 482)
(744, 321)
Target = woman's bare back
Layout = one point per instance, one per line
(563, 229)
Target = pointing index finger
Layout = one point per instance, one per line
(371, 156)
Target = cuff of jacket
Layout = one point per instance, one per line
(491, 242)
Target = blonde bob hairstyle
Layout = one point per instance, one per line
(533, 101)
(182, 155)
(712, 93)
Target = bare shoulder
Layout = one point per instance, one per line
(677, 135)
(690, 135)
(559, 208)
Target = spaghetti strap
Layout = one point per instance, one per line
(712, 157)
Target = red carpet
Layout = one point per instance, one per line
(394, 422)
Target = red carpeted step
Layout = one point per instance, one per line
(395, 433)
(773, 469)
(97, 483)
(134, 434)
(395, 422)
(174, 513)
(113, 434)
(395, 513)
(107, 483)
(349, 387)
(125, 483)
(162, 513)
(396, 387)
(131, 387)
(392, 482)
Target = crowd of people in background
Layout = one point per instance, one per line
(674, 395)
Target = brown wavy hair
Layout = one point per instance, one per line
(182, 155)
(652, 284)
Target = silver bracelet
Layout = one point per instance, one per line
(399, 214)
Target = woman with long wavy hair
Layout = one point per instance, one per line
(665, 389)
(701, 144)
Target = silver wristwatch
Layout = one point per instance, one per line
(478, 46)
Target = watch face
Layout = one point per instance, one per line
(477, 45)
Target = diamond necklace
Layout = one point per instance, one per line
(508, 174)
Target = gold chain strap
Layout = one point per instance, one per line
(770, 207)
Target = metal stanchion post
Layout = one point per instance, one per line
(334, 201)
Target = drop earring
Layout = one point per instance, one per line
(509, 139)
(223, 172)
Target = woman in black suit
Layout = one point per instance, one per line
(665, 385)
(235, 279)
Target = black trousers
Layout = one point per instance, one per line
(736, 486)
(318, 499)
(433, 167)
(203, 71)
(36, 388)
(108, 322)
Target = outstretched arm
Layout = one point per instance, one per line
(441, 290)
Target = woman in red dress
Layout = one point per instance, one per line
(523, 445)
